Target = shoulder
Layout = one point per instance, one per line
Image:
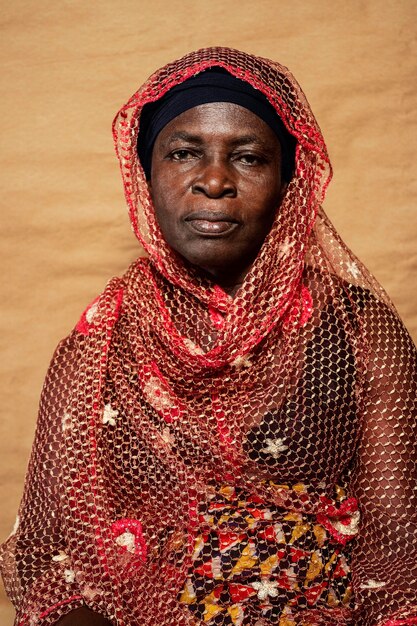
(103, 310)
(96, 320)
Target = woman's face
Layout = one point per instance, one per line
(216, 186)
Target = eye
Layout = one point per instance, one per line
(182, 154)
(248, 158)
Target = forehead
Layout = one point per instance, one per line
(222, 120)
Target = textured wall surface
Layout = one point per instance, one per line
(67, 66)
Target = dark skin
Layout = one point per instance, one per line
(216, 187)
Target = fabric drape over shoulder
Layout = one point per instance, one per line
(207, 460)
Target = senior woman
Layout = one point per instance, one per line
(227, 436)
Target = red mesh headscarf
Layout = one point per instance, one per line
(208, 460)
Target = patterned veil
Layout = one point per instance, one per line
(207, 460)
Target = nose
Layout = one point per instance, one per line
(214, 181)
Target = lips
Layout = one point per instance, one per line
(212, 223)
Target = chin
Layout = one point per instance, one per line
(216, 259)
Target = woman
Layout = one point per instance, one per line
(227, 436)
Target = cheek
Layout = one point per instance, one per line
(161, 199)
(266, 201)
(166, 190)
(165, 220)
(166, 217)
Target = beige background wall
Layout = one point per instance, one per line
(66, 67)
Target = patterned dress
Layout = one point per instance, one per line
(255, 563)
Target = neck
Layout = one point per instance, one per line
(229, 281)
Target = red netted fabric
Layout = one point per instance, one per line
(208, 460)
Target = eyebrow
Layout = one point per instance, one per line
(184, 136)
(198, 140)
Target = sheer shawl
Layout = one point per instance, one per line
(207, 460)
